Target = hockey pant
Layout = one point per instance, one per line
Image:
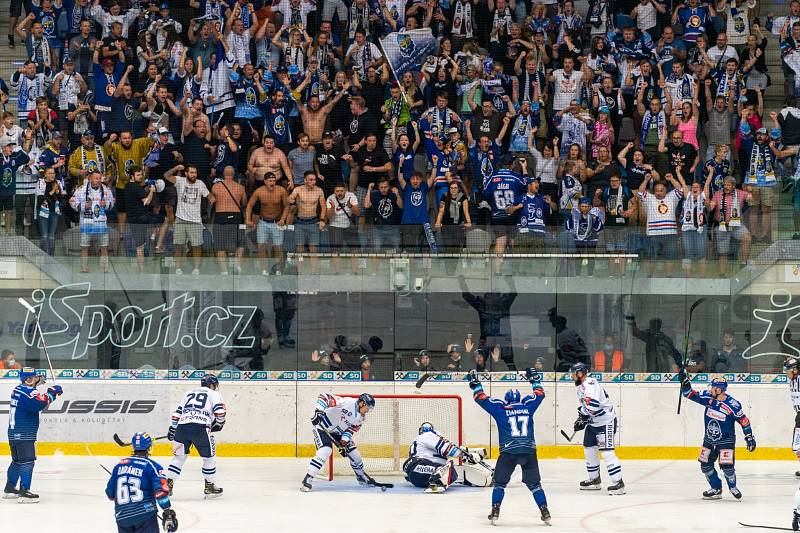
(709, 454)
(422, 472)
(506, 464)
(148, 526)
(324, 449)
(23, 458)
(601, 439)
(199, 436)
(796, 435)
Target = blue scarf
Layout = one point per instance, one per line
(648, 118)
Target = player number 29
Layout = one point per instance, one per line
(199, 400)
(129, 490)
(503, 199)
(519, 425)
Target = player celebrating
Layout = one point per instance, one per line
(719, 441)
(201, 413)
(596, 415)
(514, 418)
(137, 483)
(23, 427)
(336, 420)
(430, 463)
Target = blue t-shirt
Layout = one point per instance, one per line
(531, 216)
(136, 485)
(514, 421)
(415, 204)
(8, 172)
(504, 189)
(694, 20)
(483, 163)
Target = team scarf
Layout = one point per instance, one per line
(98, 157)
(539, 24)
(760, 163)
(648, 118)
(615, 201)
(439, 124)
(692, 211)
(735, 213)
(527, 92)
(293, 55)
(728, 86)
(152, 157)
(584, 224)
(684, 90)
(462, 19)
(501, 23)
(571, 190)
(246, 17)
(358, 19)
(321, 53)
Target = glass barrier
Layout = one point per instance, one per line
(357, 302)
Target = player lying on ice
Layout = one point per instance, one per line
(430, 464)
(336, 420)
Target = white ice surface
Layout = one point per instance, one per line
(262, 495)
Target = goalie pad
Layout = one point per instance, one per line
(442, 477)
(796, 440)
(474, 476)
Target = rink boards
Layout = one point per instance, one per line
(270, 418)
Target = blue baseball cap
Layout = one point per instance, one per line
(585, 200)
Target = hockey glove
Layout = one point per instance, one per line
(532, 376)
(751, 442)
(171, 433)
(345, 448)
(169, 520)
(217, 426)
(55, 390)
(474, 383)
(320, 417)
(581, 422)
(473, 458)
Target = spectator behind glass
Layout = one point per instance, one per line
(423, 362)
(8, 361)
(727, 357)
(454, 360)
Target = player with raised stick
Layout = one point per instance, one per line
(23, 428)
(430, 463)
(200, 413)
(597, 417)
(336, 419)
(514, 419)
(136, 485)
(719, 441)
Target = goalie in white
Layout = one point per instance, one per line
(336, 420)
(430, 464)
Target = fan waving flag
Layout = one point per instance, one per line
(407, 50)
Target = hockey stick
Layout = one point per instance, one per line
(421, 381)
(120, 442)
(686, 346)
(766, 527)
(343, 452)
(32, 311)
(568, 437)
(95, 460)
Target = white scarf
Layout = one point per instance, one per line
(98, 157)
(503, 23)
(693, 213)
(359, 17)
(463, 19)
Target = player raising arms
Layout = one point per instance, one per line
(200, 413)
(336, 419)
(719, 441)
(137, 483)
(596, 415)
(430, 463)
(514, 419)
(23, 427)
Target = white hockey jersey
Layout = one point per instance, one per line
(200, 406)
(794, 392)
(594, 401)
(433, 447)
(342, 414)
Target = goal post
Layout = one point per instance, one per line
(391, 427)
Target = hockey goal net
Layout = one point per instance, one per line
(392, 426)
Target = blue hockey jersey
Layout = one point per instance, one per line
(136, 485)
(504, 189)
(719, 418)
(514, 421)
(23, 412)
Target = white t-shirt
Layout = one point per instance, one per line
(719, 57)
(342, 209)
(738, 23)
(359, 53)
(645, 16)
(566, 88)
(190, 196)
(661, 218)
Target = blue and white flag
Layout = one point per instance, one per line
(407, 50)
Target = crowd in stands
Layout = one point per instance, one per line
(245, 127)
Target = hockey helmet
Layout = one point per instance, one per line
(368, 400)
(208, 380)
(791, 364)
(141, 442)
(27, 373)
(512, 396)
(719, 383)
(578, 367)
(425, 427)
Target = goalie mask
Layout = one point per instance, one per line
(425, 428)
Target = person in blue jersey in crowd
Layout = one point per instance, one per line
(534, 208)
(514, 419)
(138, 487)
(719, 441)
(23, 427)
(502, 190)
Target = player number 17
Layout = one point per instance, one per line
(519, 425)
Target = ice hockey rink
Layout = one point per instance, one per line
(263, 495)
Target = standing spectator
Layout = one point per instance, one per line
(585, 224)
(342, 215)
(659, 352)
(310, 217)
(415, 207)
(228, 219)
(8, 361)
(328, 163)
(139, 197)
(125, 154)
(423, 362)
(107, 75)
(693, 229)
(48, 209)
(611, 358)
(93, 200)
(13, 158)
(727, 206)
(273, 216)
(454, 358)
(683, 157)
(30, 85)
(452, 219)
(619, 215)
(386, 206)
(301, 159)
(660, 210)
(188, 220)
(728, 357)
(653, 137)
(761, 181)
